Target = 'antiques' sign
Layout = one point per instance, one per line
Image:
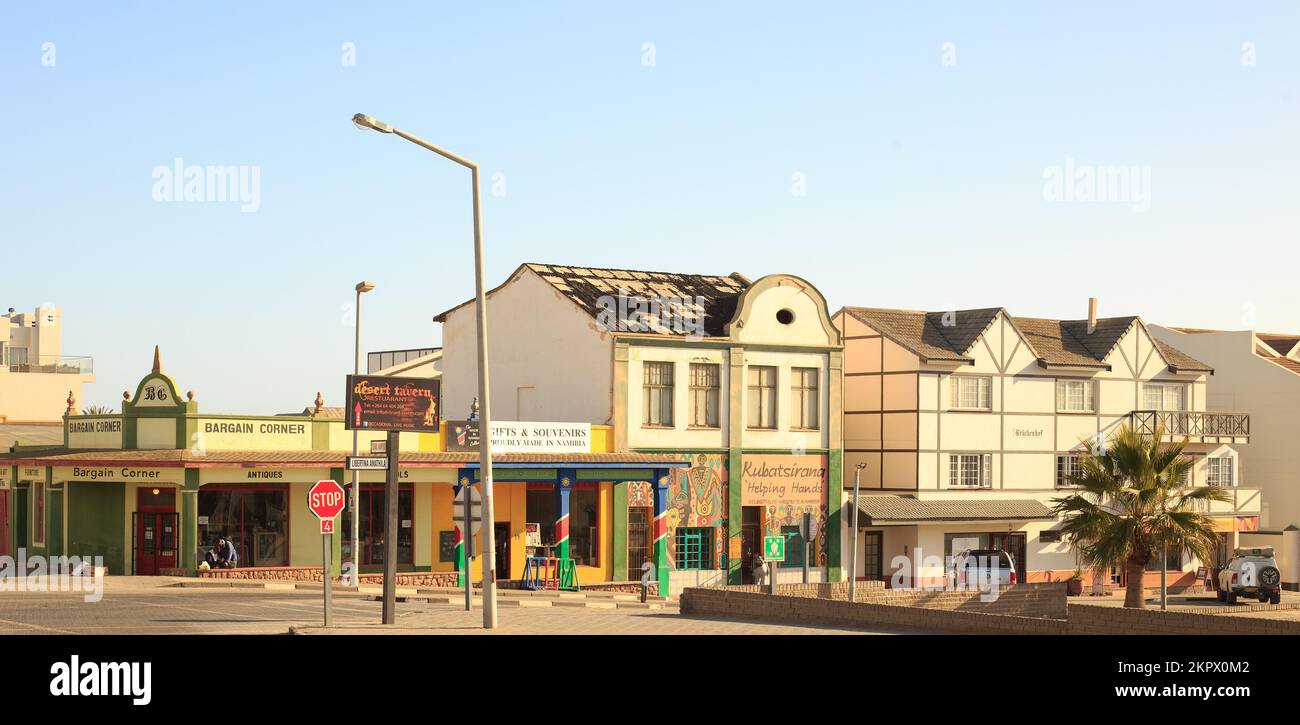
(392, 403)
(776, 479)
(509, 436)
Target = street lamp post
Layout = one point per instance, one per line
(485, 418)
(355, 507)
(853, 553)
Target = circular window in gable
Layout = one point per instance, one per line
(784, 316)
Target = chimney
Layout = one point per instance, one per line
(1092, 315)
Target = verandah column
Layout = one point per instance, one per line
(190, 520)
(463, 478)
(661, 529)
(564, 479)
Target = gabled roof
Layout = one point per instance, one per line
(1284, 344)
(928, 334)
(949, 336)
(713, 297)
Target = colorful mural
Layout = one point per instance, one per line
(696, 497)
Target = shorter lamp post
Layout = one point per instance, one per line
(853, 553)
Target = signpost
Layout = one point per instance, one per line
(468, 509)
(773, 554)
(325, 499)
(807, 532)
(393, 404)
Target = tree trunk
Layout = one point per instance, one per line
(1134, 594)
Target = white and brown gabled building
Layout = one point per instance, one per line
(969, 422)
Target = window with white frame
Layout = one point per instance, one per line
(762, 397)
(804, 401)
(1218, 471)
(970, 392)
(657, 403)
(1163, 396)
(970, 470)
(1075, 396)
(1067, 466)
(705, 390)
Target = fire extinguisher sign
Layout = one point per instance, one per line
(392, 403)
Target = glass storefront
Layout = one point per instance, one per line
(373, 521)
(254, 518)
(584, 519)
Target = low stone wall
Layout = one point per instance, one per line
(1046, 600)
(727, 602)
(1093, 619)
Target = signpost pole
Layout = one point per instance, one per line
(328, 544)
(807, 534)
(390, 529)
(485, 419)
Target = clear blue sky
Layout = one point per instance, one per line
(925, 184)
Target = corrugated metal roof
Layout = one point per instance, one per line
(886, 508)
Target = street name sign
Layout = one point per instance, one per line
(367, 463)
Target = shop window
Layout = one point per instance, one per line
(255, 520)
(657, 402)
(761, 406)
(694, 545)
(804, 400)
(705, 393)
(584, 525)
(793, 548)
(373, 522)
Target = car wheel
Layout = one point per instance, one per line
(1232, 597)
(1276, 598)
(1263, 599)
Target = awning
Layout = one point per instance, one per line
(892, 509)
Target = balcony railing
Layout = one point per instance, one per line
(56, 364)
(1191, 424)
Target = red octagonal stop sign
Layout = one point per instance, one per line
(325, 499)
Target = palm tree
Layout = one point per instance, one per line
(1132, 502)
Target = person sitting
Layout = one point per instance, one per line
(222, 556)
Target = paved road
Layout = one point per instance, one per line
(218, 611)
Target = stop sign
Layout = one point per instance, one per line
(325, 499)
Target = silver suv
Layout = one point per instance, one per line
(975, 567)
(1251, 573)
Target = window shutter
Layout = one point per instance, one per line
(986, 471)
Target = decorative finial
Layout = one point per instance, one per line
(126, 395)
(157, 360)
(320, 403)
(72, 404)
(189, 395)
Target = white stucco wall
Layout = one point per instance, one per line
(548, 360)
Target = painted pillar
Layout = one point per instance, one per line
(834, 524)
(619, 572)
(463, 478)
(190, 520)
(735, 518)
(661, 529)
(564, 479)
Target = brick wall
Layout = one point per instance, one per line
(729, 602)
(1091, 619)
(1046, 600)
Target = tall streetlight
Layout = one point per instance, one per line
(362, 287)
(853, 553)
(485, 419)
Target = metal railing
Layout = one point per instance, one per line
(56, 364)
(1188, 423)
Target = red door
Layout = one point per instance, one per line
(4, 523)
(155, 531)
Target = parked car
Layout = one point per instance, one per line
(984, 565)
(1252, 573)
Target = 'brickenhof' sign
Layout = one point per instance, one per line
(392, 403)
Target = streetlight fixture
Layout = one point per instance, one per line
(355, 504)
(485, 425)
(853, 553)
